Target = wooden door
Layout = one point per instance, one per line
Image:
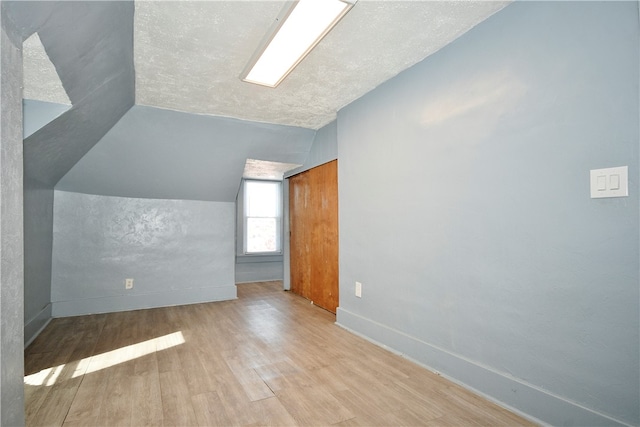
(313, 223)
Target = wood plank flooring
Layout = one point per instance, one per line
(267, 358)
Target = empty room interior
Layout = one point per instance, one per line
(453, 217)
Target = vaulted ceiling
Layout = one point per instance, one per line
(187, 56)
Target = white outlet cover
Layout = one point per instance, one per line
(610, 182)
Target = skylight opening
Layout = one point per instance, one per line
(299, 29)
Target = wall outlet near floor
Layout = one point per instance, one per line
(359, 289)
(128, 283)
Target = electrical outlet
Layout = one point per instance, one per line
(359, 289)
(128, 283)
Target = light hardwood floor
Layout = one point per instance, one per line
(267, 358)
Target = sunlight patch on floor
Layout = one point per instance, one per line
(46, 377)
(49, 376)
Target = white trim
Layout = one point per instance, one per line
(527, 400)
(279, 221)
(36, 324)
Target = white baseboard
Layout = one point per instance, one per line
(33, 327)
(527, 400)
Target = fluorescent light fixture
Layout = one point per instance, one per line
(298, 28)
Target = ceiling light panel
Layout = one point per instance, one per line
(298, 29)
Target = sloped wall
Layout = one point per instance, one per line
(465, 212)
(37, 114)
(91, 46)
(170, 160)
(164, 154)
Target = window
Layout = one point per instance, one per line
(262, 216)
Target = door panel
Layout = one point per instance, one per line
(299, 245)
(313, 217)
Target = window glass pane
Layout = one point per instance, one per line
(262, 199)
(263, 216)
(262, 235)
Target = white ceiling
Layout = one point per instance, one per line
(263, 169)
(188, 55)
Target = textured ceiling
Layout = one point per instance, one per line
(262, 169)
(40, 78)
(189, 55)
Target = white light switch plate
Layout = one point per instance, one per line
(610, 182)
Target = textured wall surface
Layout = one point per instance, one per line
(177, 252)
(11, 232)
(482, 254)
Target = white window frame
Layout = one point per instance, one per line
(279, 218)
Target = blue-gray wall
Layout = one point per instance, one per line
(260, 269)
(465, 212)
(11, 227)
(324, 148)
(91, 46)
(36, 114)
(164, 154)
(38, 241)
(38, 227)
(177, 252)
